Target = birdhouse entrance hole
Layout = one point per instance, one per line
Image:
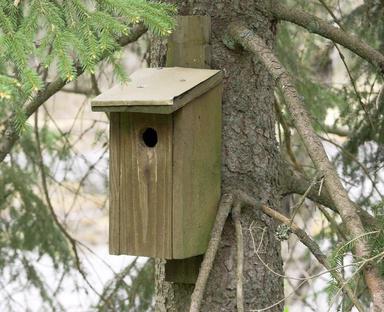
(150, 137)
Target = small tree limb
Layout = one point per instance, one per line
(9, 134)
(304, 196)
(294, 182)
(206, 266)
(72, 241)
(303, 123)
(287, 137)
(321, 27)
(305, 239)
(236, 212)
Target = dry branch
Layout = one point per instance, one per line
(305, 239)
(294, 182)
(206, 266)
(303, 123)
(327, 30)
(72, 241)
(9, 135)
(236, 212)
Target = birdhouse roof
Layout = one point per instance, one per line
(157, 90)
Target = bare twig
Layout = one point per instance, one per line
(303, 197)
(353, 158)
(287, 138)
(332, 222)
(288, 277)
(118, 278)
(323, 28)
(305, 239)
(206, 266)
(293, 182)
(9, 135)
(328, 9)
(236, 212)
(354, 86)
(281, 300)
(347, 210)
(72, 241)
(380, 98)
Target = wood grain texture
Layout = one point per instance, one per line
(144, 196)
(114, 178)
(158, 90)
(196, 173)
(189, 44)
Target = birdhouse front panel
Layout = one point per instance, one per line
(165, 161)
(141, 184)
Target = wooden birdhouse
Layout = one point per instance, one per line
(165, 159)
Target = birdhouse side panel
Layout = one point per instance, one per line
(196, 173)
(114, 183)
(144, 195)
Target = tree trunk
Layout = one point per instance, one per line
(250, 160)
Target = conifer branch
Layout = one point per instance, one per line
(294, 182)
(10, 134)
(303, 123)
(321, 27)
(72, 241)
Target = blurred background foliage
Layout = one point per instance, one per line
(345, 96)
(53, 185)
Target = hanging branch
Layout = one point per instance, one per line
(304, 196)
(287, 137)
(9, 135)
(239, 200)
(313, 247)
(303, 123)
(361, 165)
(72, 241)
(206, 266)
(294, 182)
(354, 86)
(321, 27)
(236, 213)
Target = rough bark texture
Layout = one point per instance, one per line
(250, 161)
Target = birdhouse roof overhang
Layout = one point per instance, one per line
(158, 90)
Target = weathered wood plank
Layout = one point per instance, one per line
(158, 90)
(189, 44)
(145, 194)
(196, 173)
(114, 178)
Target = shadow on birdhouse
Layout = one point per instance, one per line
(165, 159)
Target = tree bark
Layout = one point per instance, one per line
(250, 163)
